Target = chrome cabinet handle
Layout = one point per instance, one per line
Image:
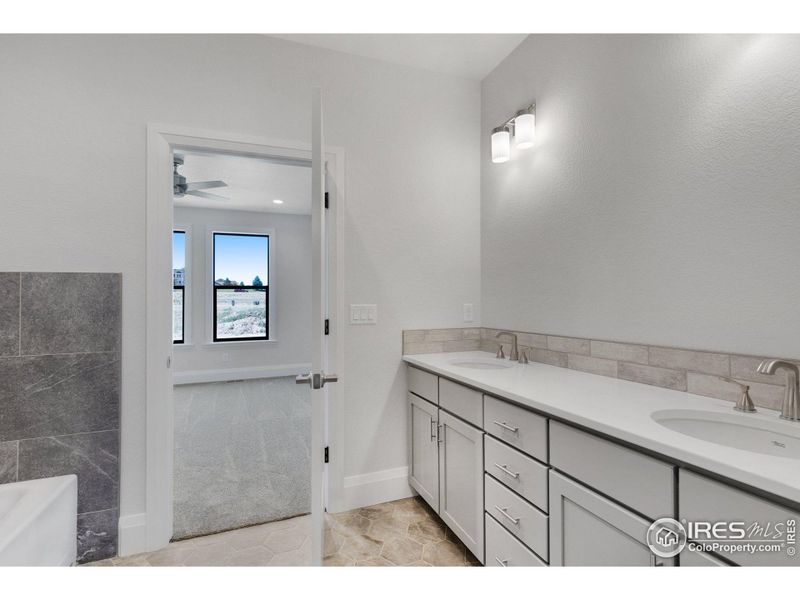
(506, 426)
(433, 430)
(501, 562)
(504, 469)
(440, 433)
(503, 512)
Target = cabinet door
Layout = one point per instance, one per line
(461, 480)
(587, 529)
(423, 463)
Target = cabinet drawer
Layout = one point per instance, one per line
(516, 426)
(521, 473)
(704, 499)
(637, 480)
(504, 550)
(461, 401)
(521, 518)
(423, 384)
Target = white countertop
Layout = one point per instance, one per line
(621, 409)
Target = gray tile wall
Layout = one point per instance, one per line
(60, 391)
(686, 370)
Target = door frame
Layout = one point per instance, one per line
(161, 139)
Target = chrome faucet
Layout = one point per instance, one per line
(790, 410)
(514, 355)
(744, 403)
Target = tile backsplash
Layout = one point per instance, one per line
(60, 391)
(680, 369)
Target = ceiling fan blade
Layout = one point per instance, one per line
(207, 195)
(204, 185)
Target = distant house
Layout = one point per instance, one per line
(178, 276)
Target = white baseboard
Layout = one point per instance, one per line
(376, 487)
(261, 372)
(132, 534)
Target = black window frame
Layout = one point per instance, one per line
(182, 288)
(216, 287)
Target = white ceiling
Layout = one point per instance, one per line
(253, 183)
(469, 55)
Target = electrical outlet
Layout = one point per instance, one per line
(469, 313)
(363, 314)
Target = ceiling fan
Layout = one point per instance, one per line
(181, 188)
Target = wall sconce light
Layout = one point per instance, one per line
(501, 144)
(523, 124)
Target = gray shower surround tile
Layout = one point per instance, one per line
(93, 457)
(58, 395)
(97, 535)
(8, 462)
(9, 314)
(70, 312)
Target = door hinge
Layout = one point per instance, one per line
(327, 202)
(327, 455)
(327, 326)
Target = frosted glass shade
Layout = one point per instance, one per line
(524, 130)
(501, 146)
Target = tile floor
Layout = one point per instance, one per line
(400, 533)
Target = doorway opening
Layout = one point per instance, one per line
(228, 342)
(241, 334)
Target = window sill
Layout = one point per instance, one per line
(238, 343)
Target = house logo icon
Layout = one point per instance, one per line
(666, 537)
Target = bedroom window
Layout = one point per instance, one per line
(241, 286)
(178, 286)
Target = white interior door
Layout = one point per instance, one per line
(318, 378)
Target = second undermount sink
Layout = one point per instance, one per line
(739, 431)
(478, 363)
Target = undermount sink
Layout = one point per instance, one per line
(739, 431)
(476, 363)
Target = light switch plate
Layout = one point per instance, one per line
(469, 313)
(363, 314)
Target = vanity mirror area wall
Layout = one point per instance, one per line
(533, 465)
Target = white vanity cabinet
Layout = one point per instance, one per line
(446, 459)
(461, 480)
(587, 529)
(522, 487)
(423, 464)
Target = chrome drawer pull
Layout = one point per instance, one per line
(501, 562)
(503, 512)
(433, 430)
(504, 469)
(507, 427)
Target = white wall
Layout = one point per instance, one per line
(662, 201)
(72, 162)
(290, 284)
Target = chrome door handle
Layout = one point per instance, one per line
(506, 426)
(501, 562)
(504, 469)
(503, 512)
(317, 381)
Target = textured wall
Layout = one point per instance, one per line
(60, 391)
(660, 203)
